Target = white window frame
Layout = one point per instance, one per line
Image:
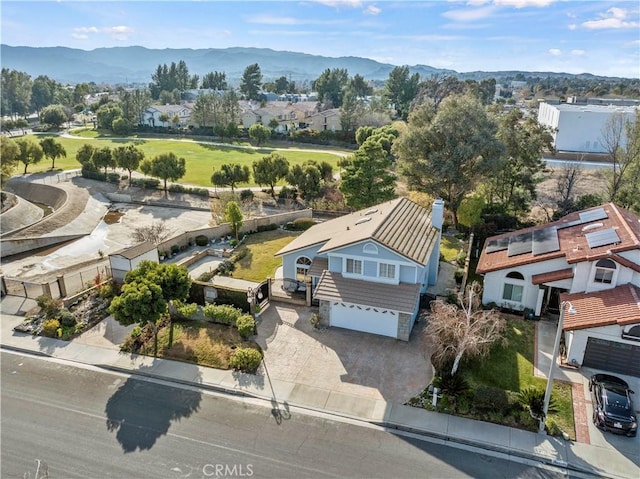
(302, 266)
(513, 286)
(607, 275)
(354, 263)
(387, 267)
(370, 248)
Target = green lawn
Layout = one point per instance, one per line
(259, 263)
(511, 368)
(201, 159)
(450, 246)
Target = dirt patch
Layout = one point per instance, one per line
(113, 216)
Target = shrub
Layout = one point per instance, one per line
(49, 306)
(187, 310)
(487, 398)
(246, 360)
(532, 399)
(206, 276)
(50, 328)
(287, 193)
(113, 178)
(107, 291)
(202, 240)
(67, 318)
(93, 174)
(458, 275)
(552, 428)
(246, 196)
(246, 326)
(461, 258)
(315, 320)
(455, 385)
(175, 249)
(222, 313)
(233, 243)
(302, 224)
(269, 227)
(226, 267)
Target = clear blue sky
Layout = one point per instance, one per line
(600, 37)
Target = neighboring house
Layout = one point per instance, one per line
(368, 269)
(127, 259)
(285, 115)
(590, 258)
(151, 115)
(579, 128)
(325, 120)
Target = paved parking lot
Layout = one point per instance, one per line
(341, 360)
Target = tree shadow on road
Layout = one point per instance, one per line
(140, 411)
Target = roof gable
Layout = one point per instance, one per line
(619, 305)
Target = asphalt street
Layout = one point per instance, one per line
(86, 423)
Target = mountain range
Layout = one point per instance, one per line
(134, 64)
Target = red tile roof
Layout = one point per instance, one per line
(620, 305)
(572, 240)
(552, 276)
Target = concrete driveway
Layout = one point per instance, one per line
(340, 360)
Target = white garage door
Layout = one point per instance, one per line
(350, 317)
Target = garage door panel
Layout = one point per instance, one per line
(359, 319)
(614, 356)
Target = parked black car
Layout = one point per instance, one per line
(612, 405)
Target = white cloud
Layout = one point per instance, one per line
(469, 15)
(274, 20)
(372, 10)
(86, 30)
(578, 52)
(613, 18)
(555, 51)
(341, 3)
(79, 36)
(121, 29)
(523, 3)
(572, 26)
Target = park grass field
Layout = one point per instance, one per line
(201, 158)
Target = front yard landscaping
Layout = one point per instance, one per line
(198, 342)
(495, 381)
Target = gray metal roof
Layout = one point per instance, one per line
(133, 252)
(400, 224)
(318, 266)
(336, 288)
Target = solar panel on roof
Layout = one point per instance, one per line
(497, 245)
(520, 244)
(593, 215)
(602, 238)
(545, 240)
(568, 224)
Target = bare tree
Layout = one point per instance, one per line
(156, 233)
(464, 329)
(568, 179)
(621, 140)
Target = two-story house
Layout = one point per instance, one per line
(327, 120)
(590, 259)
(369, 268)
(152, 115)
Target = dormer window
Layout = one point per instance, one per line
(370, 248)
(605, 269)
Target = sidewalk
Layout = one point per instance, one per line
(600, 461)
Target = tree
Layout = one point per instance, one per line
(466, 329)
(15, 93)
(251, 81)
(360, 86)
(29, 153)
(259, 133)
(121, 126)
(470, 211)
(9, 153)
(282, 85)
(215, 81)
(42, 92)
(269, 170)
(166, 166)
(84, 155)
(53, 115)
(351, 110)
(140, 302)
(52, 150)
(128, 157)
(446, 154)
(133, 104)
(367, 179)
(621, 140)
(106, 114)
(330, 86)
(306, 178)
(400, 89)
(231, 175)
(155, 233)
(103, 158)
(513, 185)
(233, 216)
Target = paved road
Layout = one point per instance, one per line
(87, 423)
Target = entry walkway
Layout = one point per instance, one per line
(515, 443)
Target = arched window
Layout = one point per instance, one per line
(605, 268)
(513, 289)
(302, 267)
(370, 248)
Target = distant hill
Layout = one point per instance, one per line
(136, 64)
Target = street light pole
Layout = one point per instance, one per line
(556, 348)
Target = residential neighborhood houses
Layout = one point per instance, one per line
(333, 300)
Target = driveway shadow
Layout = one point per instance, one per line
(140, 412)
